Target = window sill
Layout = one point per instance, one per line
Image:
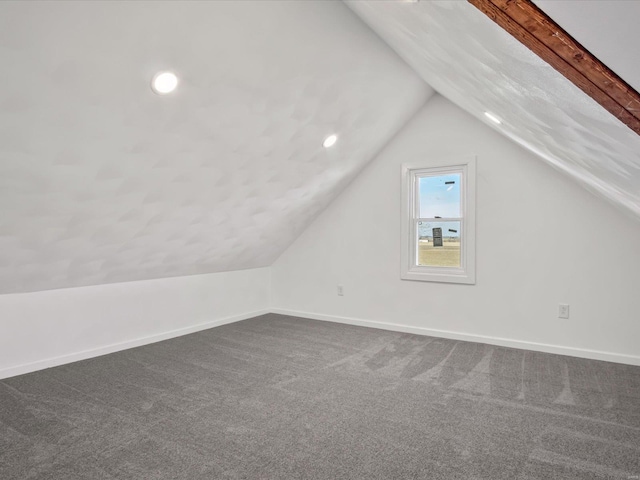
(439, 277)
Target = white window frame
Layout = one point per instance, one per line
(410, 270)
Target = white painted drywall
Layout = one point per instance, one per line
(43, 329)
(470, 60)
(541, 240)
(102, 181)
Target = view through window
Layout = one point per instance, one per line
(439, 224)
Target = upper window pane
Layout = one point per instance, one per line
(439, 196)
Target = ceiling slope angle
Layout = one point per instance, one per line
(606, 28)
(102, 180)
(470, 60)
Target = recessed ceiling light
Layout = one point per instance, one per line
(493, 118)
(330, 141)
(164, 82)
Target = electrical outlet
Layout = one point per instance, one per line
(340, 290)
(563, 310)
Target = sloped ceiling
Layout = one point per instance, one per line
(103, 181)
(474, 63)
(607, 28)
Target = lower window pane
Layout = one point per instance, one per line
(438, 244)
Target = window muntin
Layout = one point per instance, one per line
(439, 223)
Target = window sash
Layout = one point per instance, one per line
(439, 219)
(411, 175)
(434, 268)
(415, 193)
(437, 172)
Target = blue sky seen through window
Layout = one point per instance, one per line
(440, 196)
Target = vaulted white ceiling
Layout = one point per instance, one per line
(103, 181)
(474, 63)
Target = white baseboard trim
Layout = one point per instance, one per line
(503, 342)
(469, 337)
(116, 347)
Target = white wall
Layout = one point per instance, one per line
(43, 329)
(541, 240)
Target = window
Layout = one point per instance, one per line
(438, 222)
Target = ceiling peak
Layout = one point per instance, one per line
(538, 32)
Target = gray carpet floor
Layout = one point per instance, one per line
(279, 397)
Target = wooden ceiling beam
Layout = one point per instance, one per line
(538, 32)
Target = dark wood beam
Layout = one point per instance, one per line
(537, 31)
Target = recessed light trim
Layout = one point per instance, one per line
(493, 118)
(330, 141)
(164, 82)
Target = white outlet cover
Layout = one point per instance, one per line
(563, 310)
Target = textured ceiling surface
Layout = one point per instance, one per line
(103, 181)
(474, 63)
